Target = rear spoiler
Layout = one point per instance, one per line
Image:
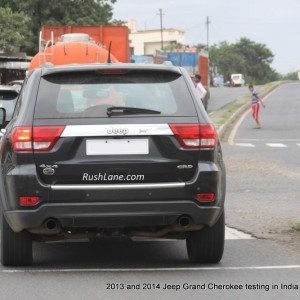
(99, 67)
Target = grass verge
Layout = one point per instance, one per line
(296, 226)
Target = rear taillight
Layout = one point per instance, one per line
(29, 200)
(195, 136)
(205, 197)
(45, 137)
(21, 139)
(37, 138)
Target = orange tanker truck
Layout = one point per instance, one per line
(62, 45)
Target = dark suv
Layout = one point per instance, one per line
(112, 149)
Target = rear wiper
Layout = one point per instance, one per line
(126, 110)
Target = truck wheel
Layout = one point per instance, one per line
(16, 248)
(207, 245)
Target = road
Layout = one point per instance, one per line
(221, 96)
(264, 169)
(262, 199)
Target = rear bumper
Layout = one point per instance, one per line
(111, 206)
(113, 215)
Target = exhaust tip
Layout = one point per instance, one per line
(184, 221)
(51, 224)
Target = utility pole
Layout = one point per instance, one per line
(161, 29)
(207, 32)
(207, 44)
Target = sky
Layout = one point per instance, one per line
(275, 23)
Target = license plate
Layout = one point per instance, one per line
(117, 147)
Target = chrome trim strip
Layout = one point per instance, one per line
(116, 130)
(66, 187)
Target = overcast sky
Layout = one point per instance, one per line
(275, 23)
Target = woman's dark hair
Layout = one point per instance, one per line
(250, 86)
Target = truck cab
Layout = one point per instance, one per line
(237, 80)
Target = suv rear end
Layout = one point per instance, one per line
(120, 149)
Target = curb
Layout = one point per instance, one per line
(234, 117)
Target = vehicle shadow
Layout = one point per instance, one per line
(113, 253)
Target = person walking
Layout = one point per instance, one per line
(199, 87)
(201, 90)
(255, 100)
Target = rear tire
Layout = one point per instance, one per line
(207, 245)
(16, 248)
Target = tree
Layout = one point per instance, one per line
(246, 57)
(12, 30)
(227, 59)
(63, 12)
(117, 22)
(290, 76)
(201, 47)
(173, 46)
(258, 60)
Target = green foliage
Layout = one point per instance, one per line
(201, 47)
(117, 22)
(296, 226)
(62, 12)
(173, 46)
(290, 76)
(227, 59)
(244, 57)
(12, 30)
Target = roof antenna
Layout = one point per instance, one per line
(108, 57)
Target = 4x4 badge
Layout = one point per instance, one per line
(48, 169)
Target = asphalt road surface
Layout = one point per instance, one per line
(263, 191)
(263, 168)
(224, 95)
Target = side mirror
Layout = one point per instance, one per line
(2, 117)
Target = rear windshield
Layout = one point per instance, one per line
(88, 95)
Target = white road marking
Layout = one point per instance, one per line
(241, 119)
(244, 144)
(131, 270)
(236, 127)
(270, 144)
(267, 139)
(234, 234)
(250, 140)
(276, 145)
(230, 234)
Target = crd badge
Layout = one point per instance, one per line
(184, 167)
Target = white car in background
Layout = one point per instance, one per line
(237, 80)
